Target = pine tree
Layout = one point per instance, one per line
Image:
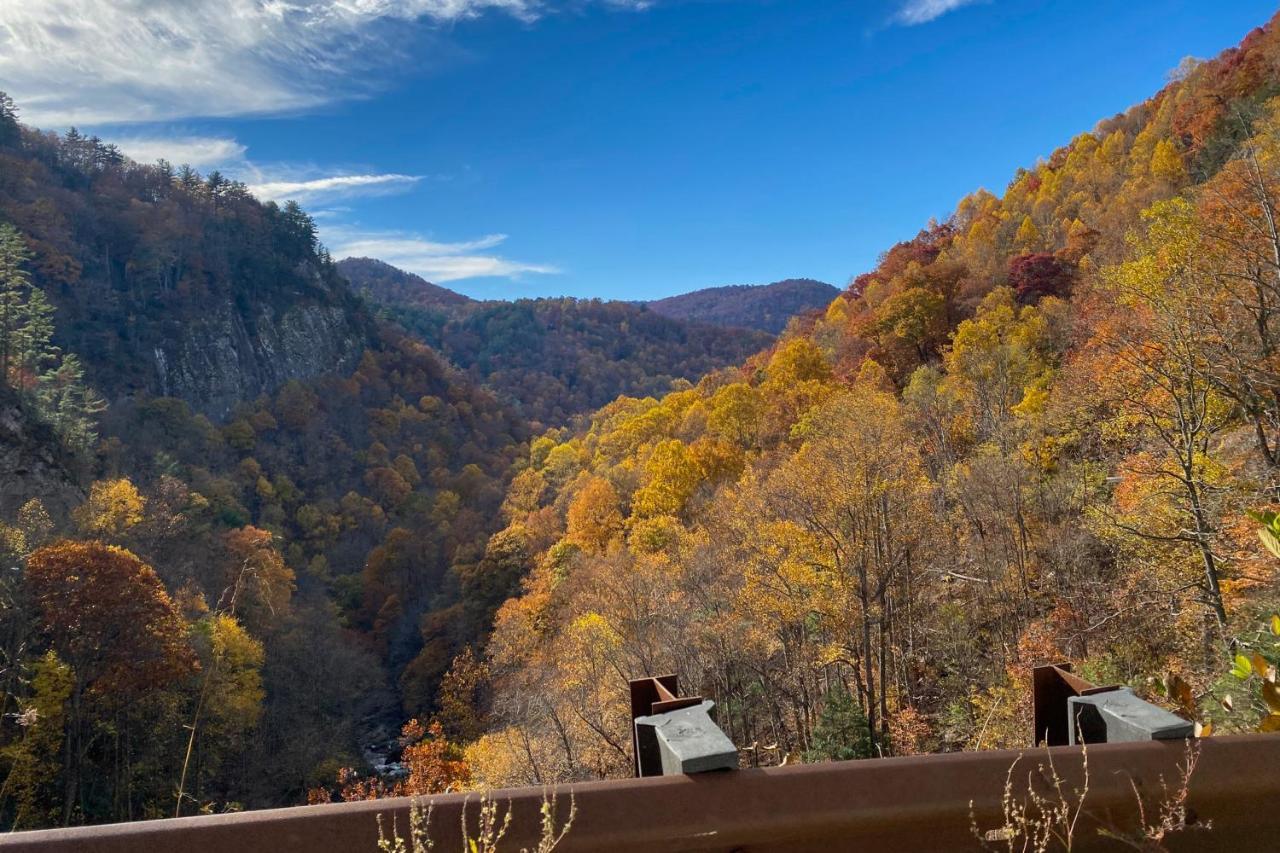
(300, 227)
(188, 178)
(10, 131)
(841, 733)
(13, 284)
(30, 363)
(71, 405)
(33, 355)
(215, 186)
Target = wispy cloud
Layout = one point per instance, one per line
(434, 261)
(915, 12)
(431, 259)
(269, 182)
(333, 186)
(200, 152)
(113, 61)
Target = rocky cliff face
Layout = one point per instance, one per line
(32, 465)
(170, 284)
(234, 355)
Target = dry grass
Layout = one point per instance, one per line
(492, 825)
(1047, 817)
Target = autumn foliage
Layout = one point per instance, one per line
(109, 617)
(431, 765)
(1030, 433)
(1033, 277)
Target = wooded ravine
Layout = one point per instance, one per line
(278, 529)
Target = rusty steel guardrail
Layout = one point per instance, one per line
(892, 804)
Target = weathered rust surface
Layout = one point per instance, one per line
(1052, 686)
(914, 803)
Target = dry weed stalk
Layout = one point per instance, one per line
(1040, 822)
(1172, 813)
(491, 828)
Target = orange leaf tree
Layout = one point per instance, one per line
(109, 618)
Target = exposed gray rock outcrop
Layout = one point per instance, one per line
(227, 358)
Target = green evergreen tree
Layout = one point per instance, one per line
(10, 132)
(33, 354)
(71, 405)
(188, 178)
(52, 383)
(841, 732)
(300, 228)
(13, 286)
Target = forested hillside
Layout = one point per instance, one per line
(766, 307)
(169, 283)
(383, 284)
(271, 538)
(289, 497)
(553, 358)
(255, 521)
(1031, 434)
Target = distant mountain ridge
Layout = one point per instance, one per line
(554, 358)
(766, 307)
(386, 283)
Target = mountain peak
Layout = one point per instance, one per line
(767, 307)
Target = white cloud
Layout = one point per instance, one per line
(275, 182)
(114, 61)
(434, 261)
(333, 186)
(329, 214)
(199, 152)
(915, 12)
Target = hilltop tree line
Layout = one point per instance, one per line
(769, 308)
(136, 259)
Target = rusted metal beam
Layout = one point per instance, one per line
(644, 693)
(1068, 709)
(914, 803)
(1052, 687)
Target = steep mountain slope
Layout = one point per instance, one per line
(172, 285)
(33, 465)
(1029, 434)
(303, 484)
(305, 492)
(766, 307)
(553, 358)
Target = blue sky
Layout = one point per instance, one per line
(613, 148)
